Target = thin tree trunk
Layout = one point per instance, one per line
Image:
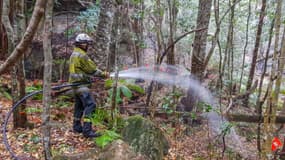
(18, 74)
(200, 39)
(255, 50)
(19, 116)
(270, 110)
(260, 101)
(47, 79)
(103, 32)
(172, 29)
(279, 69)
(245, 45)
(137, 28)
(27, 38)
(158, 24)
(113, 41)
(229, 47)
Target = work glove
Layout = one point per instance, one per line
(106, 74)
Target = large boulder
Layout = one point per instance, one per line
(145, 138)
(119, 150)
(91, 154)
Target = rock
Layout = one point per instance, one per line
(91, 154)
(119, 150)
(145, 138)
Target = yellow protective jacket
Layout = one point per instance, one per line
(81, 67)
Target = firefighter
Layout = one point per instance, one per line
(83, 69)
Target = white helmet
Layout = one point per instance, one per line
(83, 38)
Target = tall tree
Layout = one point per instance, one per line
(47, 79)
(18, 75)
(200, 39)
(255, 50)
(27, 38)
(113, 42)
(271, 106)
(103, 32)
(246, 44)
(172, 12)
(138, 29)
(18, 81)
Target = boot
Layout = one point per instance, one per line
(88, 132)
(77, 128)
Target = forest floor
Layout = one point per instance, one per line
(187, 141)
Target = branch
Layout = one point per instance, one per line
(252, 118)
(247, 93)
(178, 39)
(27, 38)
(228, 11)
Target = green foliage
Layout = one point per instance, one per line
(6, 94)
(30, 89)
(30, 110)
(35, 139)
(62, 101)
(107, 137)
(103, 118)
(226, 128)
(205, 107)
(169, 102)
(100, 117)
(124, 89)
(89, 19)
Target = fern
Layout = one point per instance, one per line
(107, 137)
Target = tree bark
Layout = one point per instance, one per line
(260, 101)
(112, 47)
(173, 10)
(47, 79)
(103, 32)
(255, 50)
(27, 38)
(245, 45)
(251, 118)
(137, 28)
(18, 73)
(200, 39)
(271, 106)
(280, 66)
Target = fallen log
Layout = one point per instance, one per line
(251, 118)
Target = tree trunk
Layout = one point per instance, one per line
(279, 68)
(113, 41)
(27, 38)
(199, 50)
(3, 41)
(173, 10)
(260, 101)
(158, 24)
(200, 39)
(270, 110)
(47, 79)
(20, 116)
(245, 45)
(137, 28)
(251, 118)
(103, 32)
(255, 50)
(228, 58)
(18, 81)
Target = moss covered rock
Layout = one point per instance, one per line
(145, 137)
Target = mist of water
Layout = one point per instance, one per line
(180, 77)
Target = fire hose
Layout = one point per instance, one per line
(8, 115)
